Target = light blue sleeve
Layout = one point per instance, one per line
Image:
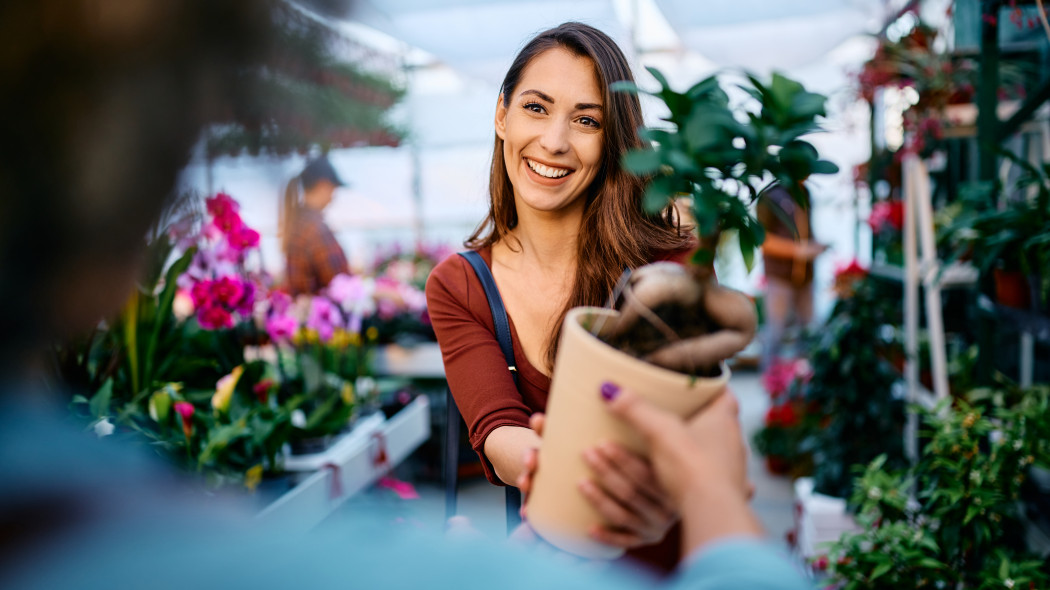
(738, 564)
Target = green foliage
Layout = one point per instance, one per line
(852, 386)
(308, 95)
(1008, 227)
(723, 156)
(951, 521)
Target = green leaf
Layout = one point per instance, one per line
(99, 405)
(659, 77)
(626, 86)
(642, 161)
(658, 194)
(824, 167)
(747, 248)
(164, 312)
(880, 570)
(706, 89)
(806, 105)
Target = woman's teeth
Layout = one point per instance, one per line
(547, 171)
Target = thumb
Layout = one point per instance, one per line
(635, 411)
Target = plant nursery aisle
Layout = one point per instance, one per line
(483, 504)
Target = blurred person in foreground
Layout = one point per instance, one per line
(91, 149)
(312, 254)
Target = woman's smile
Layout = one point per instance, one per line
(547, 174)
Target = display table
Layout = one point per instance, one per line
(355, 460)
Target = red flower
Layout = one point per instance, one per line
(221, 204)
(228, 290)
(887, 214)
(243, 238)
(214, 317)
(201, 294)
(783, 415)
(262, 390)
(185, 411)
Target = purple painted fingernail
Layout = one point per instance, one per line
(610, 391)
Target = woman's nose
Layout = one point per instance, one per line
(555, 137)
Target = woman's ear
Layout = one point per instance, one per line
(501, 118)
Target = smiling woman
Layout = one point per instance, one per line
(564, 222)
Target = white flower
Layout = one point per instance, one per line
(103, 427)
(874, 493)
(298, 418)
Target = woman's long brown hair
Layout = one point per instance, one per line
(288, 212)
(615, 233)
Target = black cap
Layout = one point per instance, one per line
(319, 169)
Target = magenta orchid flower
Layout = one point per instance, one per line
(185, 411)
(281, 327)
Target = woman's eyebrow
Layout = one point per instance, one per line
(580, 106)
(542, 95)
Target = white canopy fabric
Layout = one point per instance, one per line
(479, 38)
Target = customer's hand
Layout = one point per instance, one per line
(702, 463)
(624, 491)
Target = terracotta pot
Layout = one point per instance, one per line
(1011, 288)
(577, 419)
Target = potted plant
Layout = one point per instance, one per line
(953, 520)
(722, 157)
(1009, 237)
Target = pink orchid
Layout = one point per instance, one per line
(243, 238)
(228, 290)
(324, 317)
(281, 327)
(778, 378)
(345, 289)
(247, 301)
(280, 301)
(221, 204)
(214, 317)
(201, 294)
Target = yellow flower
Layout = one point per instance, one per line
(355, 339)
(348, 393)
(160, 405)
(340, 339)
(373, 333)
(253, 476)
(224, 389)
(311, 336)
(298, 336)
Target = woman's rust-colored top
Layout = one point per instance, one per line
(478, 376)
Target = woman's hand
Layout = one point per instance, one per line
(623, 491)
(702, 463)
(627, 494)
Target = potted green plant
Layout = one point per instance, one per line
(953, 520)
(1007, 232)
(722, 156)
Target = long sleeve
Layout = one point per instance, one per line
(739, 563)
(475, 368)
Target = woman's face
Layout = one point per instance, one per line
(552, 132)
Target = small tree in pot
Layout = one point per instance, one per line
(724, 159)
